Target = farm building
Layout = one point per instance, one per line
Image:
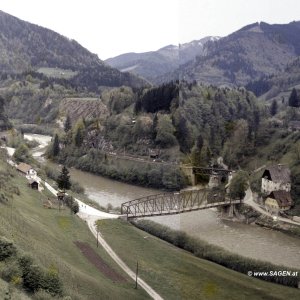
(26, 170)
(33, 184)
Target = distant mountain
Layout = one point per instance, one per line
(157, 63)
(256, 50)
(25, 46)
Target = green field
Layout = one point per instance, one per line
(57, 72)
(48, 235)
(176, 274)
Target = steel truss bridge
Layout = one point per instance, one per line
(175, 203)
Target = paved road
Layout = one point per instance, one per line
(249, 201)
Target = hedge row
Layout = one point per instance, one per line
(217, 254)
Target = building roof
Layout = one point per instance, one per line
(283, 198)
(278, 173)
(24, 168)
(31, 181)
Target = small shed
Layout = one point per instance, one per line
(33, 184)
(60, 196)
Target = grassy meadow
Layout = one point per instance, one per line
(48, 235)
(176, 274)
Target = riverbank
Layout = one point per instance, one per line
(177, 274)
(218, 255)
(253, 217)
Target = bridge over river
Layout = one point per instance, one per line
(176, 203)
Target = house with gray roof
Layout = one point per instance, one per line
(276, 178)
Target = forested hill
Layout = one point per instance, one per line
(278, 84)
(256, 50)
(25, 46)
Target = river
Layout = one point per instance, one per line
(247, 240)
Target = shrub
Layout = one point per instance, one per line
(32, 278)
(52, 284)
(7, 248)
(12, 273)
(75, 207)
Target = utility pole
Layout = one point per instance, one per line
(136, 275)
(97, 238)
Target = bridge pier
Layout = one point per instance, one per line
(229, 211)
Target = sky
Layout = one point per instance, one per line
(112, 27)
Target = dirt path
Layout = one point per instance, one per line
(91, 215)
(91, 223)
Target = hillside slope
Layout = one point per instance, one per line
(49, 236)
(25, 46)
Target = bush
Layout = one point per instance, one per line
(52, 284)
(75, 207)
(7, 249)
(32, 278)
(12, 273)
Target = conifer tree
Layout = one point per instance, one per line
(294, 100)
(55, 146)
(274, 108)
(67, 125)
(63, 180)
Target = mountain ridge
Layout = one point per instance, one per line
(255, 50)
(153, 64)
(25, 46)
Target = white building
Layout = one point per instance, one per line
(276, 178)
(27, 170)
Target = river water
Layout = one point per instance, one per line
(247, 240)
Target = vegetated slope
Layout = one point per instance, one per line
(255, 50)
(87, 108)
(183, 122)
(157, 63)
(48, 236)
(278, 85)
(25, 46)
